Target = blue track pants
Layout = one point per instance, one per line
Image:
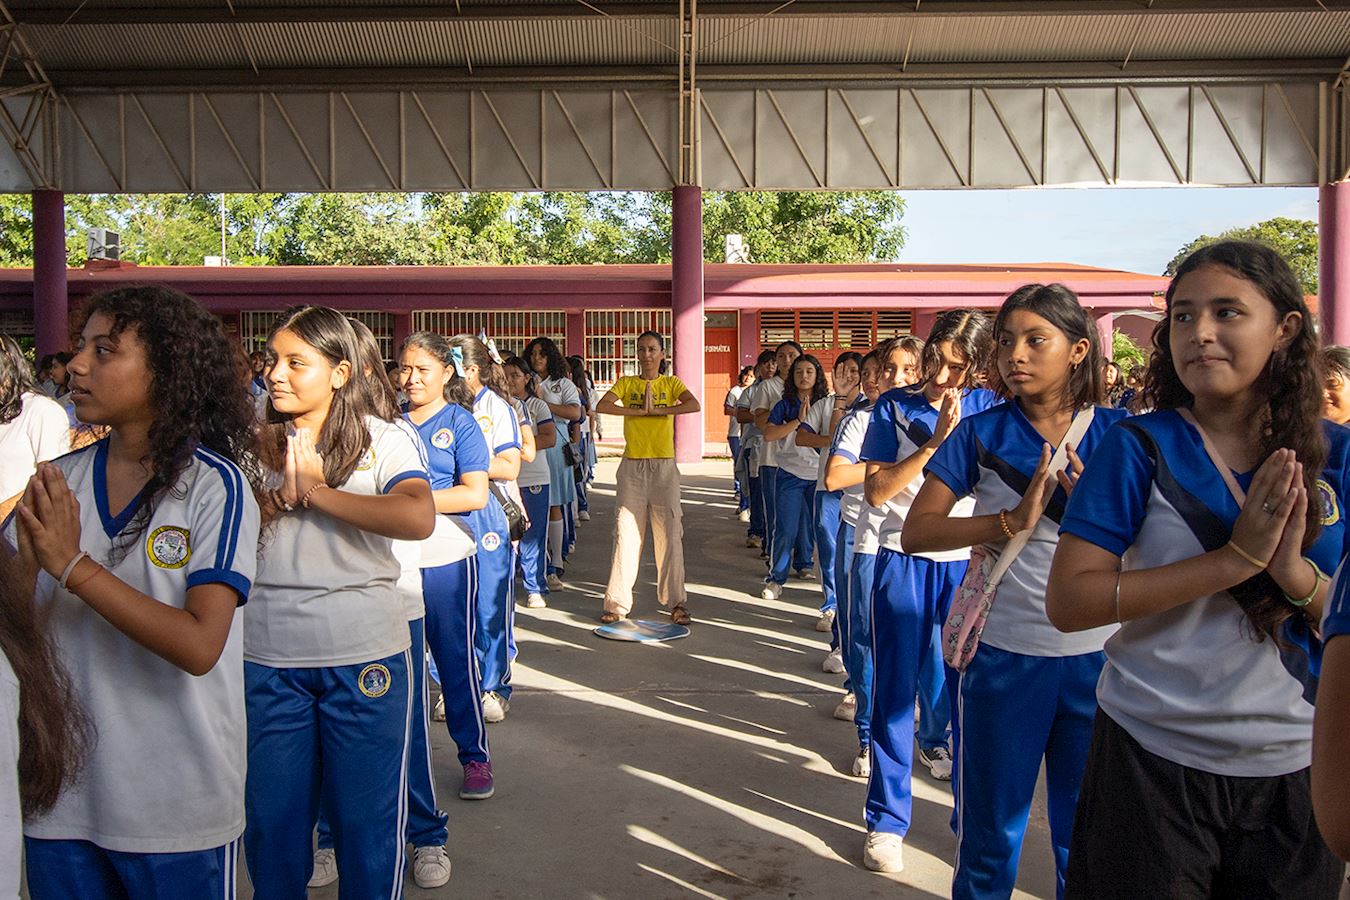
(339, 733)
(80, 870)
(793, 532)
(827, 532)
(426, 823)
(909, 605)
(450, 593)
(533, 548)
(1016, 711)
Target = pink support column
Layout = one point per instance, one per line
(747, 325)
(51, 303)
(1333, 278)
(686, 288)
(923, 322)
(1106, 327)
(576, 334)
(402, 328)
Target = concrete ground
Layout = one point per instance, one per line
(707, 767)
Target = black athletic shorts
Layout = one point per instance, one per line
(1150, 828)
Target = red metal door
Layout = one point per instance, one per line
(719, 373)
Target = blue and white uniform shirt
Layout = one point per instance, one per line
(326, 590)
(1191, 684)
(168, 773)
(1336, 616)
(560, 392)
(902, 423)
(992, 456)
(848, 441)
(793, 458)
(454, 444)
(751, 436)
(766, 395)
(535, 474)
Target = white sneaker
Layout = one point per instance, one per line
(438, 711)
(554, 582)
(834, 662)
(772, 591)
(753, 541)
(862, 764)
(583, 516)
(825, 623)
(882, 852)
(743, 516)
(325, 868)
(535, 601)
(495, 707)
(431, 866)
(847, 707)
(938, 761)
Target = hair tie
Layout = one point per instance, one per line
(457, 359)
(492, 351)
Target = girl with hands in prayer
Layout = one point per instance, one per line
(137, 551)
(1206, 529)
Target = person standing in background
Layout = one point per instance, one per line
(743, 381)
(648, 488)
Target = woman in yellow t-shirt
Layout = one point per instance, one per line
(648, 487)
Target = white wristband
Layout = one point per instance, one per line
(70, 567)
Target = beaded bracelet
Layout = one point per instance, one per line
(304, 501)
(1003, 523)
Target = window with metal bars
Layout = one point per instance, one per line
(255, 325)
(16, 322)
(611, 340)
(510, 329)
(822, 330)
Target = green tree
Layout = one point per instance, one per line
(1296, 239)
(16, 230)
(1126, 351)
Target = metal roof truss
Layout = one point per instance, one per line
(836, 138)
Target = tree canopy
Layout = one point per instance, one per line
(463, 229)
(1296, 239)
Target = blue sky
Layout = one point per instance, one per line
(1137, 229)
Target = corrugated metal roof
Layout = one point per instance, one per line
(799, 39)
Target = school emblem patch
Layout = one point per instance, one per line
(169, 547)
(491, 541)
(535, 488)
(485, 423)
(442, 439)
(1331, 512)
(374, 680)
(367, 460)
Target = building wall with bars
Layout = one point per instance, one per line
(611, 340)
(825, 333)
(255, 325)
(511, 330)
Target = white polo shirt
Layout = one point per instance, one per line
(326, 591)
(167, 774)
(535, 472)
(40, 432)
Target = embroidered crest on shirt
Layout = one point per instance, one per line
(367, 461)
(1331, 512)
(374, 680)
(168, 547)
(485, 423)
(442, 439)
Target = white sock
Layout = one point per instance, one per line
(555, 542)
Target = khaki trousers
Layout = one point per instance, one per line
(648, 492)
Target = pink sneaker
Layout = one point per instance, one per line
(477, 781)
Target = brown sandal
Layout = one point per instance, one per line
(680, 616)
(610, 618)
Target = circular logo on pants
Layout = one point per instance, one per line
(374, 680)
(491, 541)
(535, 488)
(168, 547)
(442, 439)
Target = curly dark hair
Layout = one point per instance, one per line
(54, 733)
(16, 379)
(198, 390)
(1291, 384)
(818, 390)
(555, 365)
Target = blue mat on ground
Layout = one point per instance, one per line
(642, 631)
